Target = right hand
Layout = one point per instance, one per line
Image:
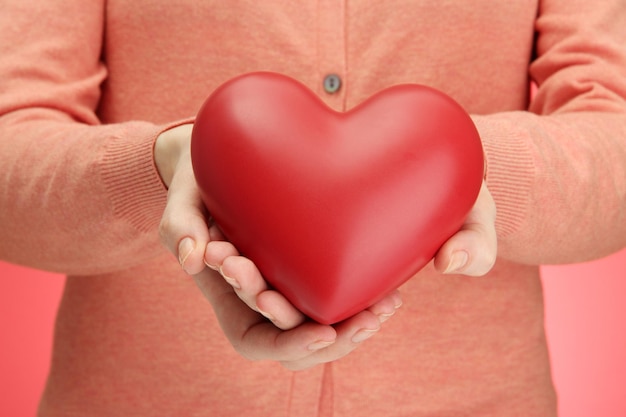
(260, 323)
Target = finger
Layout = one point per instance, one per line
(244, 276)
(251, 334)
(216, 251)
(274, 306)
(387, 307)
(252, 289)
(473, 250)
(350, 334)
(265, 341)
(183, 228)
(212, 286)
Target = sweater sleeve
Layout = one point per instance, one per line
(76, 196)
(558, 172)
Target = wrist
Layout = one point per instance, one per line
(168, 148)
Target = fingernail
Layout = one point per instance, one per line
(397, 301)
(232, 281)
(385, 316)
(363, 334)
(320, 344)
(457, 262)
(213, 267)
(185, 247)
(266, 315)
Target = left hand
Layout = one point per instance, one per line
(261, 323)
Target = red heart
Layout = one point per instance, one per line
(336, 209)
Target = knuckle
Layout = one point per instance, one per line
(246, 353)
(249, 350)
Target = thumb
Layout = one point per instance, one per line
(184, 228)
(473, 249)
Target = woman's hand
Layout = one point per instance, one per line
(473, 250)
(259, 323)
(183, 229)
(262, 324)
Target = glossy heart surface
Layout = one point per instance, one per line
(336, 209)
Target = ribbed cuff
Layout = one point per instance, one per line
(509, 170)
(131, 178)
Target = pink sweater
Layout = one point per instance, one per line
(86, 86)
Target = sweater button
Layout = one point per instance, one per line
(332, 83)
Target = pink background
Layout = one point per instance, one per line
(586, 321)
